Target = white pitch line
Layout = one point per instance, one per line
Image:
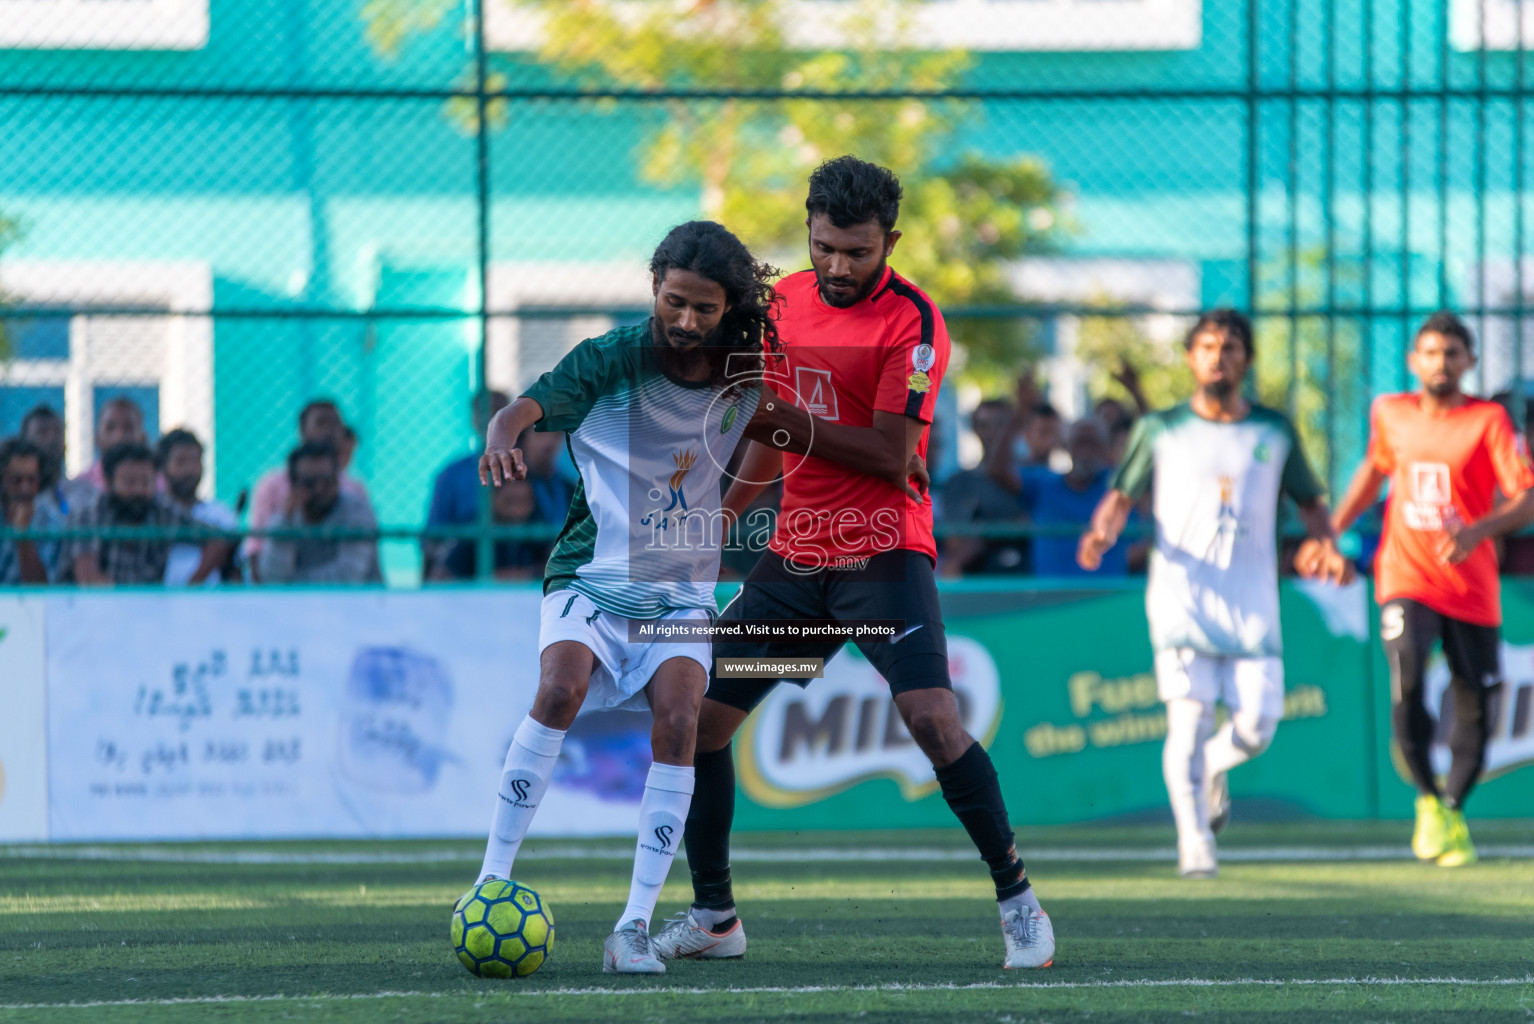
(792, 990)
(1096, 854)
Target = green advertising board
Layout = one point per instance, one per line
(1057, 683)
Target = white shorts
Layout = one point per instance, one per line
(1244, 684)
(623, 669)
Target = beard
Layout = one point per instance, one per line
(678, 352)
(184, 490)
(130, 510)
(861, 291)
(1442, 388)
(1220, 389)
(317, 509)
(51, 470)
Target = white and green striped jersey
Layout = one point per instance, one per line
(643, 533)
(1214, 572)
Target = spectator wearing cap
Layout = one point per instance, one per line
(179, 457)
(319, 422)
(24, 561)
(44, 428)
(316, 501)
(129, 501)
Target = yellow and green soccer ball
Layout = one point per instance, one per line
(502, 930)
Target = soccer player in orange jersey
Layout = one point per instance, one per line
(1446, 454)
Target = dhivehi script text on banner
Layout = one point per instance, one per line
(266, 715)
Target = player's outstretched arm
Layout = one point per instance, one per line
(1318, 558)
(886, 450)
(1363, 491)
(1108, 521)
(502, 460)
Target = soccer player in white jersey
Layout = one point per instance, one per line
(1220, 464)
(653, 413)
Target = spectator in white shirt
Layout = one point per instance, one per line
(179, 458)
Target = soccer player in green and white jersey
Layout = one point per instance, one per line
(653, 413)
(1220, 465)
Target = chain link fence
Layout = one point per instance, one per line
(225, 209)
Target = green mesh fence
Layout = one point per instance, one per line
(222, 209)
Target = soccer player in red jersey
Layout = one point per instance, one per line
(866, 349)
(1446, 454)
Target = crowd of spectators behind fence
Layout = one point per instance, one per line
(1019, 511)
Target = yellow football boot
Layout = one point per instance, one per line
(1458, 850)
(1431, 836)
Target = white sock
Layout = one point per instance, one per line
(1239, 740)
(662, 815)
(524, 780)
(1188, 725)
(711, 919)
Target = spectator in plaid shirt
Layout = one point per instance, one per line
(129, 472)
(21, 472)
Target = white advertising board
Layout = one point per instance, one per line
(23, 721)
(190, 716)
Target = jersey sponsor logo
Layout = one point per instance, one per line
(1229, 523)
(919, 382)
(816, 392)
(683, 461)
(923, 358)
(1427, 495)
(1510, 737)
(804, 745)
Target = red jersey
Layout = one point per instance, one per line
(885, 353)
(1442, 467)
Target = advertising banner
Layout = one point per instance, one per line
(23, 714)
(1058, 686)
(180, 716)
(325, 713)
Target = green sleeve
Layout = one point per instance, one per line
(572, 387)
(1298, 481)
(1134, 476)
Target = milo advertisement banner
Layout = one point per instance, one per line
(1057, 683)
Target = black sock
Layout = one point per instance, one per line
(708, 828)
(973, 793)
(1474, 713)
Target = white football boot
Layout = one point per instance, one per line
(1196, 857)
(1029, 937)
(628, 951)
(684, 938)
(1218, 789)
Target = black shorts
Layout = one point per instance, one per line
(1409, 629)
(891, 585)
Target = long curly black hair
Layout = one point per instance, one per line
(737, 348)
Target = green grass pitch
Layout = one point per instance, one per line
(1312, 922)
